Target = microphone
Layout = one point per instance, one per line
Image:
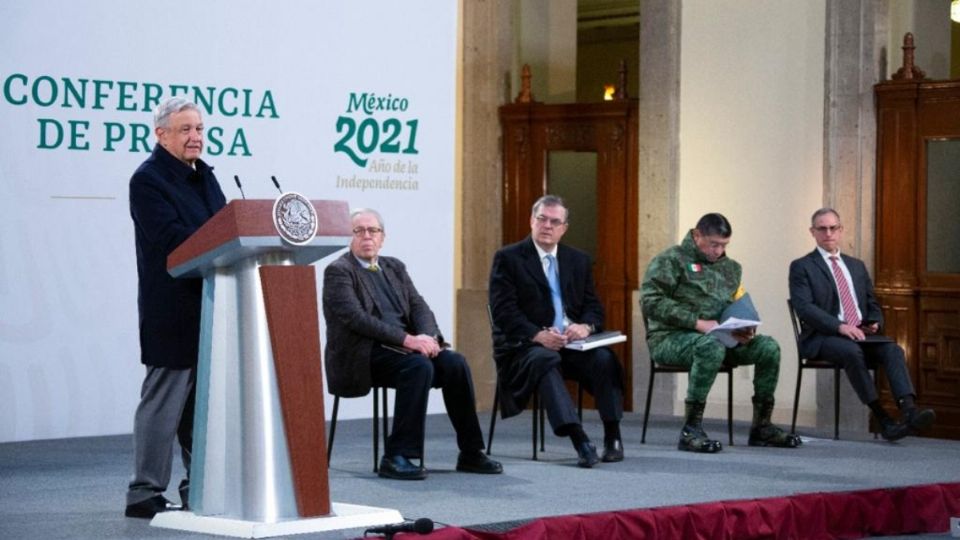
(274, 178)
(420, 526)
(237, 180)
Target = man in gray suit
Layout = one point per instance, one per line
(380, 332)
(841, 320)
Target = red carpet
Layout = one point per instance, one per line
(850, 514)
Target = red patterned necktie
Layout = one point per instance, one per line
(846, 299)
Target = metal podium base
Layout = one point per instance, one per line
(342, 516)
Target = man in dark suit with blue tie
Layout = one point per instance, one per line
(381, 332)
(172, 194)
(833, 295)
(541, 298)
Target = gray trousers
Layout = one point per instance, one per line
(165, 412)
(854, 359)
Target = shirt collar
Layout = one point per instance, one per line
(826, 254)
(541, 253)
(366, 265)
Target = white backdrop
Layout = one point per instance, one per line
(285, 82)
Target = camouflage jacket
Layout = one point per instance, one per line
(681, 286)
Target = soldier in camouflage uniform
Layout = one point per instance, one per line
(684, 291)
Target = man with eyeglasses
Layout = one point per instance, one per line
(380, 332)
(172, 194)
(541, 298)
(685, 291)
(841, 320)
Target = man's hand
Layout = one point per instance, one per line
(744, 335)
(551, 339)
(577, 331)
(851, 332)
(423, 344)
(704, 326)
(871, 328)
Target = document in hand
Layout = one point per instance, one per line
(737, 316)
(601, 339)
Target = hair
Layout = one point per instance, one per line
(551, 200)
(823, 212)
(161, 115)
(357, 211)
(714, 224)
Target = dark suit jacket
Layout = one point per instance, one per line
(169, 201)
(813, 293)
(352, 311)
(521, 306)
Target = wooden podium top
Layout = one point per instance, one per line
(244, 228)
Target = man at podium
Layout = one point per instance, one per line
(380, 332)
(172, 194)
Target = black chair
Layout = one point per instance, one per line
(665, 368)
(377, 392)
(812, 363)
(538, 411)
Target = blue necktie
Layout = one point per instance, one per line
(554, 280)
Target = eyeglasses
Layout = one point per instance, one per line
(831, 229)
(372, 231)
(556, 222)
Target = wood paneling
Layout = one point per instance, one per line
(530, 131)
(922, 309)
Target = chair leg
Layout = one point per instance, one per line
(836, 403)
(536, 407)
(493, 418)
(580, 401)
(877, 432)
(333, 428)
(730, 406)
(646, 410)
(376, 431)
(542, 423)
(796, 400)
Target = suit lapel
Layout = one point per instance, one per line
(393, 280)
(822, 265)
(365, 278)
(534, 265)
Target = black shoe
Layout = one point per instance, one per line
(475, 461)
(919, 419)
(695, 439)
(587, 455)
(612, 451)
(771, 435)
(891, 430)
(151, 507)
(400, 468)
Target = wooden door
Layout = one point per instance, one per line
(918, 236)
(603, 205)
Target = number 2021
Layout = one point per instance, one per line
(366, 138)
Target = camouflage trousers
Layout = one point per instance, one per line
(704, 355)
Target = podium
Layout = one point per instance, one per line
(259, 464)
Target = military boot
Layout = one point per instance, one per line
(764, 433)
(692, 437)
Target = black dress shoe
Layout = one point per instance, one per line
(919, 419)
(612, 451)
(151, 507)
(587, 455)
(400, 468)
(892, 430)
(475, 461)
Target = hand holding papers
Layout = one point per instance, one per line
(600, 339)
(737, 317)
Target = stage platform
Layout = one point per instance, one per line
(74, 488)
